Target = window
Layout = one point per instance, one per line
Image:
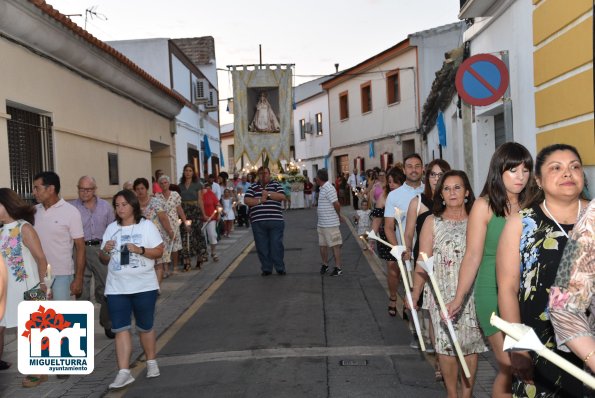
(366, 92)
(393, 89)
(319, 124)
(303, 129)
(344, 105)
(112, 166)
(30, 149)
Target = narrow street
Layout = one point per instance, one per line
(226, 331)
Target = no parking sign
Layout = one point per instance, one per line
(482, 79)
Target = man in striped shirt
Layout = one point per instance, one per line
(329, 219)
(264, 200)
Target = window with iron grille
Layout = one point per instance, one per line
(319, 124)
(303, 129)
(30, 149)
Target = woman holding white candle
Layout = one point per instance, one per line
(24, 260)
(527, 261)
(173, 208)
(443, 235)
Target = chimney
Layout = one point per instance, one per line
(337, 68)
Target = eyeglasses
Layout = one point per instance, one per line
(436, 175)
(86, 189)
(38, 188)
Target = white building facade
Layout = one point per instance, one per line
(199, 118)
(311, 127)
(375, 106)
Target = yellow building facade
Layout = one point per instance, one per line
(563, 76)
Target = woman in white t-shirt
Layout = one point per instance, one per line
(130, 246)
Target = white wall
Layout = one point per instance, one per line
(509, 31)
(383, 119)
(181, 78)
(150, 54)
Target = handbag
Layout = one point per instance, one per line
(34, 294)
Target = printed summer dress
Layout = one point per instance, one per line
(542, 244)
(151, 213)
(449, 248)
(21, 267)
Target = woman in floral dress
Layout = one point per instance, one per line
(443, 236)
(153, 210)
(527, 261)
(23, 257)
(572, 297)
(172, 202)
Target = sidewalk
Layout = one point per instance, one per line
(177, 294)
(226, 331)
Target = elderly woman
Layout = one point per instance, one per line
(443, 236)
(130, 246)
(527, 260)
(153, 209)
(173, 208)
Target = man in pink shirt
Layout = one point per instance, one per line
(60, 229)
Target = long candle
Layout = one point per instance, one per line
(48, 271)
(402, 234)
(516, 332)
(422, 345)
(430, 270)
(188, 223)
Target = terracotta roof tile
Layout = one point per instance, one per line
(67, 22)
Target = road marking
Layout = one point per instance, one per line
(284, 353)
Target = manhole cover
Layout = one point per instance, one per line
(354, 362)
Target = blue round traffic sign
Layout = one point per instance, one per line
(482, 79)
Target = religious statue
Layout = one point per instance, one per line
(264, 120)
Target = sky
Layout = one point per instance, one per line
(312, 34)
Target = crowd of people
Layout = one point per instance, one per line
(504, 252)
(522, 249)
(127, 247)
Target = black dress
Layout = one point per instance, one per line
(383, 250)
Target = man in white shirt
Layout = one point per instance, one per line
(400, 198)
(352, 183)
(329, 220)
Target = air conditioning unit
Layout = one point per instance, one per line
(308, 128)
(212, 102)
(201, 91)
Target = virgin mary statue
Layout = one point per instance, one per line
(264, 120)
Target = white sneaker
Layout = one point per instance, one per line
(152, 369)
(123, 378)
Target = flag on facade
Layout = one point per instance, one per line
(221, 156)
(441, 129)
(207, 148)
(371, 149)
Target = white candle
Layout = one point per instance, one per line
(429, 268)
(515, 332)
(48, 272)
(402, 235)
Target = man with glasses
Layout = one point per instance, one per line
(264, 198)
(96, 215)
(60, 229)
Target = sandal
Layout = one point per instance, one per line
(392, 309)
(215, 257)
(186, 266)
(4, 365)
(34, 380)
(438, 375)
(198, 264)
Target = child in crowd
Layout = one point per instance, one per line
(362, 220)
(228, 211)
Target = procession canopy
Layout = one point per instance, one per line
(263, 111)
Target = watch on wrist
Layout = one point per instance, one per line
(142, 250)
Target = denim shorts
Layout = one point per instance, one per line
(61, 287)
(121, 307)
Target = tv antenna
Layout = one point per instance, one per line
(91, 13)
